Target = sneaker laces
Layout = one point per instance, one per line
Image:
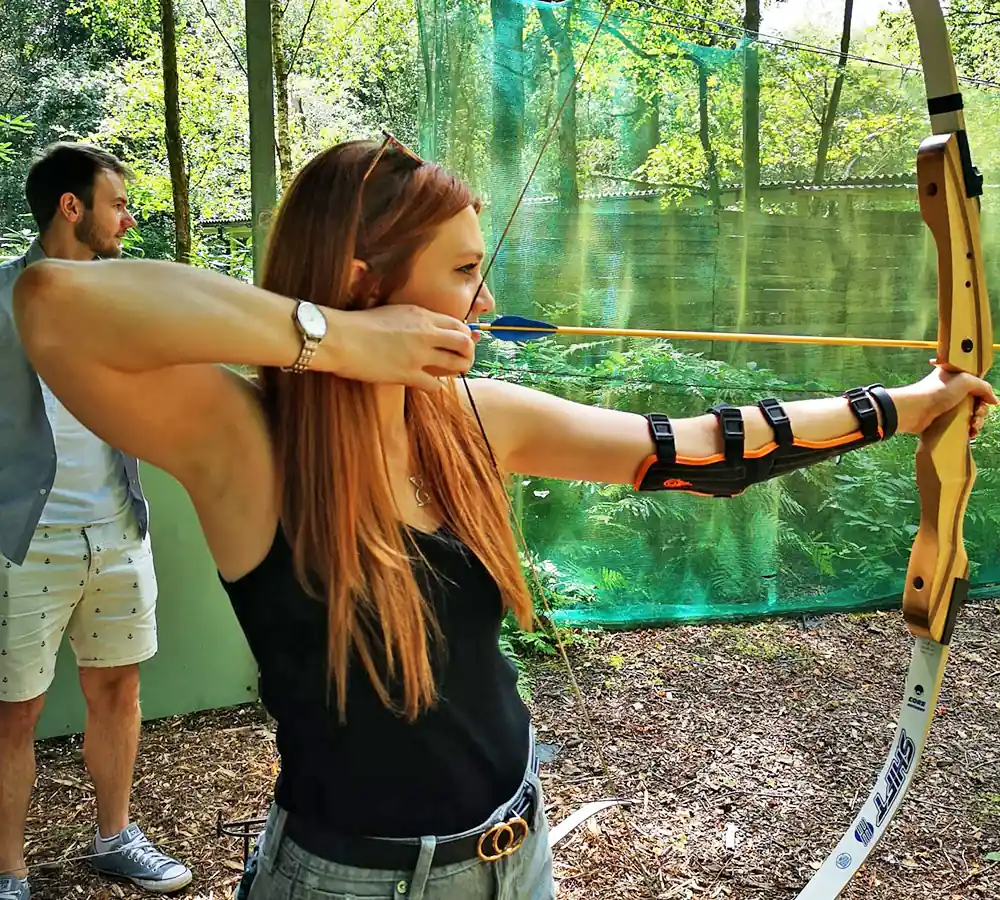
(10, 886)
(141, 851)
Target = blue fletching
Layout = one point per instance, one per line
(518, 328)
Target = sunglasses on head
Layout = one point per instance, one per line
(394, 142)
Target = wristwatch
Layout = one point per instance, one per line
(311, 322)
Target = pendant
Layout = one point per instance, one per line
(423, 498)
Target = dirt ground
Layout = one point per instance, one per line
(773, 732)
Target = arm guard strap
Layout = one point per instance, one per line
(729, 473)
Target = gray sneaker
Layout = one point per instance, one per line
(14, 888)
(132, 857)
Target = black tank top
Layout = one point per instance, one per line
(378, 774)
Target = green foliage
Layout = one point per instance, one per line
(974, 29)
(50, 82)
(119, 28)
(17, 125)
(14, 242)
(356, 67)
(551, 589)
(214, 127)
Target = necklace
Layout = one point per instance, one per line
(423, 498)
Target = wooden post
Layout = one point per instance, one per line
(263, 179)
(751, 110)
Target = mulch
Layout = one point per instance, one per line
(769, 734)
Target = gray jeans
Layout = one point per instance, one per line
(287, 872)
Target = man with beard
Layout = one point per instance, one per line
(75, 555)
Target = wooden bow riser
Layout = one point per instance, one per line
(936, 578)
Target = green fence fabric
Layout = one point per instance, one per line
(833, 537)
(203, 661)
(636, 217)
(830, 538)
(848, 256)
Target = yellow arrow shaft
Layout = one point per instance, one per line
(737, 337)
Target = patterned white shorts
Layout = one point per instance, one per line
(97, 583)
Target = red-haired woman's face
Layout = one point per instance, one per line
(445, 274)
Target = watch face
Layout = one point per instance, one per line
(311, 319)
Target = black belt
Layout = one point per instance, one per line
(489, 844)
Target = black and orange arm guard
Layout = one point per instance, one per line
(729, 473)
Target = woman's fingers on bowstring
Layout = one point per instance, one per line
(445, 364)
(446, 350)
(453, 352)
(457, 341)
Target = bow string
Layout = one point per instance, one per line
(539, 590)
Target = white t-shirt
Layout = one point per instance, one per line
(90, 484)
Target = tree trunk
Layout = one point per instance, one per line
(830, 114)
(706, 137)
(441, 73)
(281, 93)
(645, 127)
(508, 119)
(429, 35)
(751, 111)
(562, 45)
(172, 135)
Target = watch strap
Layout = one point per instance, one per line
(306, 354)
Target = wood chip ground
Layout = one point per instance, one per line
(764, 737)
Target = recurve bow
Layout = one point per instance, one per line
(937, 583)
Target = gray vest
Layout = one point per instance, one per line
(27, 448)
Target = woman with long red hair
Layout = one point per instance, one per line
(352, 508)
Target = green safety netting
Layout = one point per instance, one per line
(636, 217)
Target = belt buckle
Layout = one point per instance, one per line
(502, 839)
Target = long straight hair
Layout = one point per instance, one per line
(349, 544)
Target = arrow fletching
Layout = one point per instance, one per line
(515, 328)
